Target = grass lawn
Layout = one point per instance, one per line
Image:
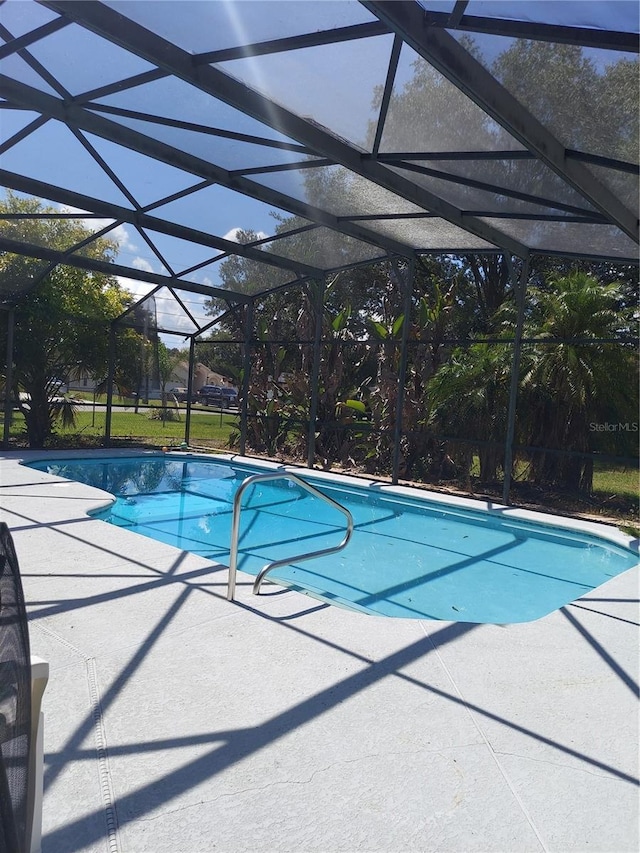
(623, 482)
(212, 429)
(607, 479)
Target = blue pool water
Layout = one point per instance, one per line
(407, 557)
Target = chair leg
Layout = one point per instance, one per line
(39, 679)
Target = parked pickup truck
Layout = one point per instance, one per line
(218, 395)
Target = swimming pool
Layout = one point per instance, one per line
(408, 557)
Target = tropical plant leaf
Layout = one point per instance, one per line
(397, 325)
(340, 321)
(379, 331)
(355, 404)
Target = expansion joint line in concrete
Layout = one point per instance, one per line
(103, 761)
(100, 738)
(487, 743)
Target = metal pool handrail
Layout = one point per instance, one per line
(235, 528)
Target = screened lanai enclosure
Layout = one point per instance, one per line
(407, 231)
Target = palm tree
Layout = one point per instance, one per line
(578, 378)
(468, 399)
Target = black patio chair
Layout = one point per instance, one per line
(22, 682)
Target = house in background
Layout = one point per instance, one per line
(202, 375)
(81, 381)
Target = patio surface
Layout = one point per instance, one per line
(177, 721)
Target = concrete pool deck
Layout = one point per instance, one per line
(177, 721)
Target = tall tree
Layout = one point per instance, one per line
(589, 106)
(578, 378)
(168, 361)
(468, 399)
(61, 324)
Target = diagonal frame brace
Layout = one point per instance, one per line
(447, 56)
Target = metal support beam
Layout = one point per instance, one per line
(126, 33)
(30, 250)
(320, 289)
(79, 118)
(246, 374)
(386, 94)
(450, 58)
(8, 378)
(29, 38)
(533, 30)
(298, 42)
(187, 418)
(454, 18)
(519, 288)
(405, 281)
(144, 220)
(110, 377)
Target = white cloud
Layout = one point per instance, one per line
(233, 235)
(137, 288)
(119, 233)
(67, 208)
(141, 264)
(121, 236)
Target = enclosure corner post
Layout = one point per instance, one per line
(246, 373)
(8, 381)
(407, 281)
(187, 417)
(315, 372)
(110, 376)
(519, 287)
